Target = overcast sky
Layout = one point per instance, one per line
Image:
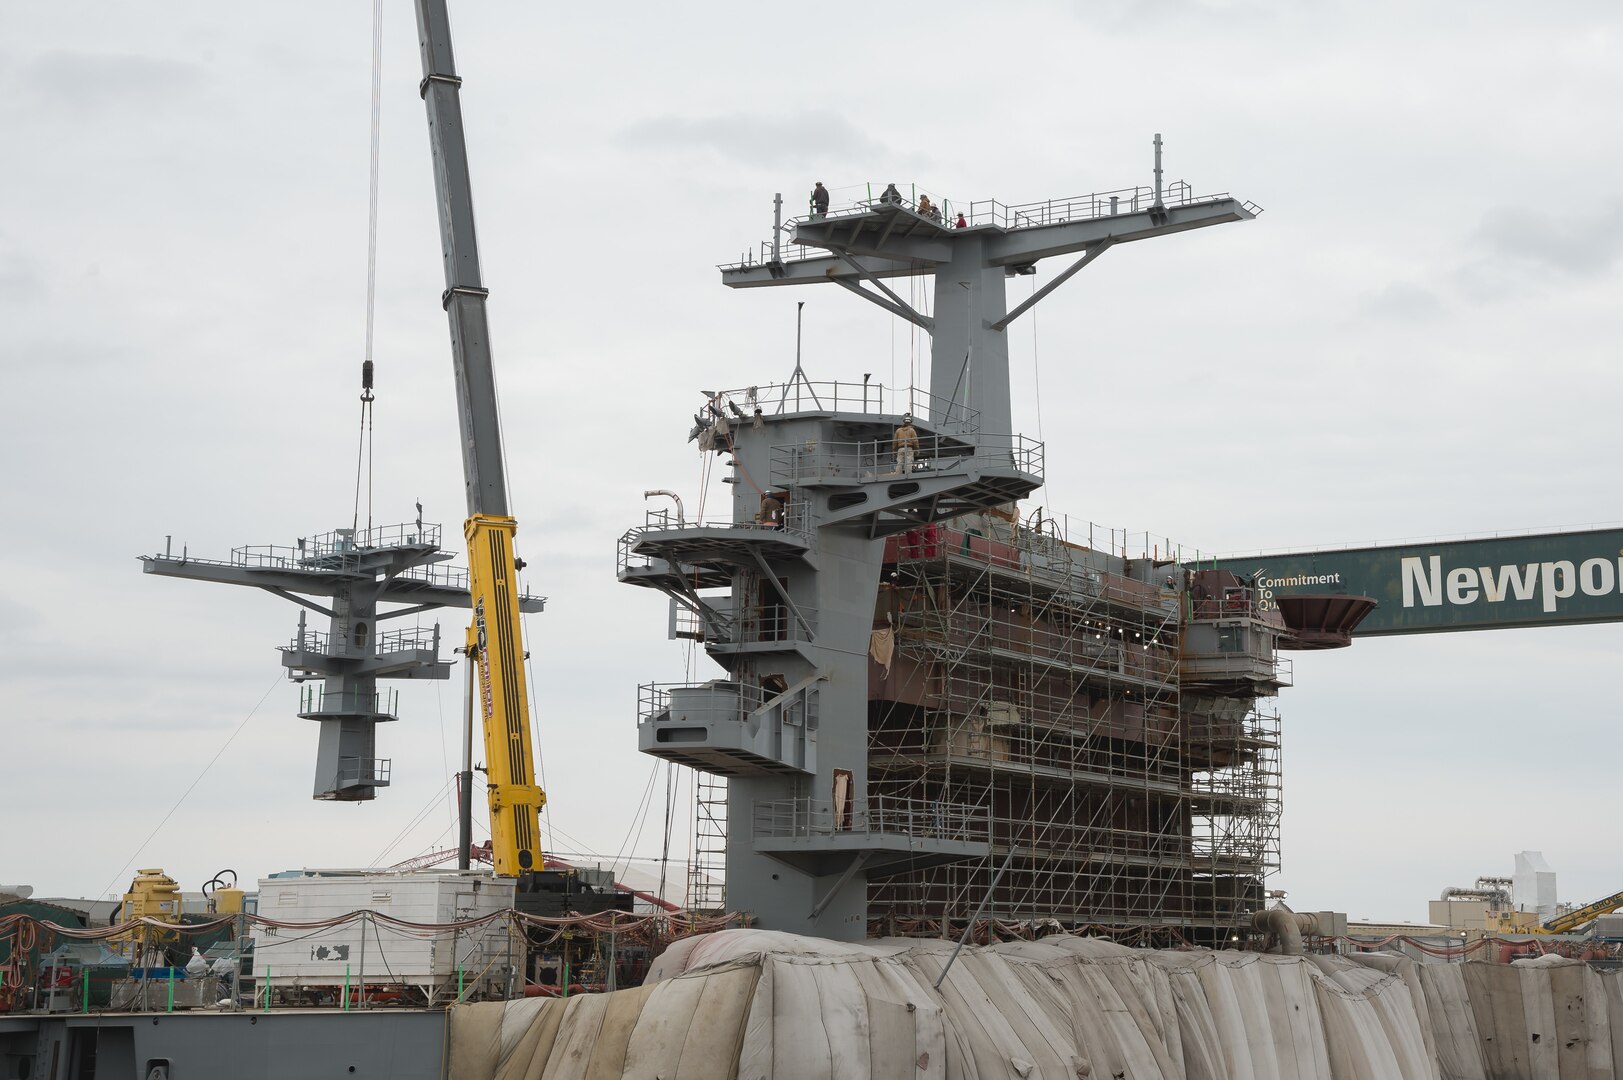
(1419, 337)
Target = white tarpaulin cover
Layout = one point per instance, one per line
(755, 1004)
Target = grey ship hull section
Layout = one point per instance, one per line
(403, 1044)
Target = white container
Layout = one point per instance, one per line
(421, 956)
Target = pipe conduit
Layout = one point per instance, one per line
(1285, 927)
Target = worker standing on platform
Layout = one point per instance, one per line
(771, 514)
(819, 199)
(905, 440)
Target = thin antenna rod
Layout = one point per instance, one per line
(798, 379)
(777, 227)
(1158, 170)
(800, 373)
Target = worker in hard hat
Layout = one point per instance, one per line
(771, 513)
(905, 441)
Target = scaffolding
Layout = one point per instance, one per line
(707, 869)
(1035, 679)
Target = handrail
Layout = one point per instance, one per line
(871, 398)
(654, 698)
(877, 459)
(378, 536)
(452, 577)
(373, 771)
(992, 212)
(342, 545)
(314, 699)
(795, 521)
(657, 521)
(873, 816)
(411, 639)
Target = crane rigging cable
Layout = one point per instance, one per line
(364, 450)
(417, 819)
(445, 757)
(191, 787)
(372, 194)
(634, 830)
(545, 816)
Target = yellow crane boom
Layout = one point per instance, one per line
(494, 638)
(1575, 918)
(504, 709)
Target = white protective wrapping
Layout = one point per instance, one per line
(760, 1005)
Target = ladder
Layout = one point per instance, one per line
(707, 869)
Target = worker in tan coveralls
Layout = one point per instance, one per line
(905, 440)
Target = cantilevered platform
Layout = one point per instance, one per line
(888, 240)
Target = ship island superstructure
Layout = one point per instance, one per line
(933, 709)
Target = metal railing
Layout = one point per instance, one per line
(879, 459)
(414, 639)
(284, 556)
(1040, 556)
(316, 699)
(335, 557)
(340, 546)
(879, 815)
(455, 578)
(1233, 603)
(405, 534)
(308, 641)
(446, 577)
(875, 399)
(655, 698)
(795, 520)
(989, 212)
(369, 771)
(861, 197)
(627, 559)
(1096, 204)
(775, 622)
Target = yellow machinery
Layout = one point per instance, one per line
(1511, 922)
(1564, 924)
(223, 899)
(494, 645)
(152, 895)
(494, 640)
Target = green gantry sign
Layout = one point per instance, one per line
(1553, 579)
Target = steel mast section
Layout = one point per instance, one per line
(494, 638)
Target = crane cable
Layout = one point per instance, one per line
(417, 819)
(364, 450)
(363, 454)
(640, 819)
(191, 787)
(540, 777)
